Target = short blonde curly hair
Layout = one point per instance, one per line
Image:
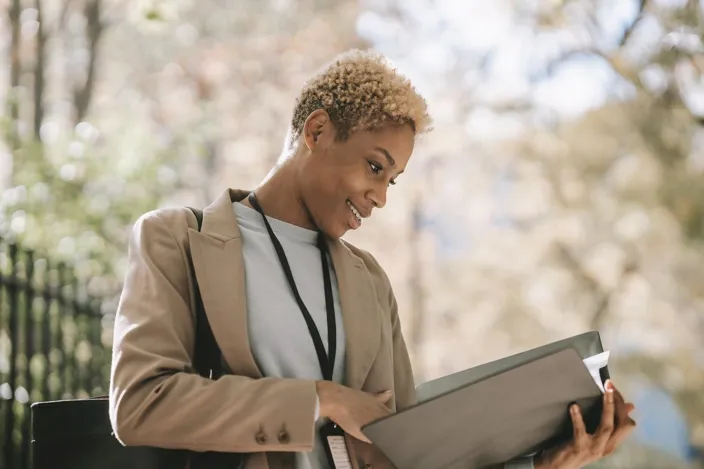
(360, 91)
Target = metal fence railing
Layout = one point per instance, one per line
(51, 344)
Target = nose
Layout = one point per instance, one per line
(378, 197)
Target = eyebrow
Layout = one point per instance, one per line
(387, 155)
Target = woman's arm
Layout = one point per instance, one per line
(404, 383)
(155, 398)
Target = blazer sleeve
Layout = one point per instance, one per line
(155, 397)
(404, 382)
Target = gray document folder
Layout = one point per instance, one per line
(494, 412)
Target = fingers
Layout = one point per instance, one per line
(624, 424)
(614, 428)
(622, 408)
(375, 413)
(621, 433)
(581, 439)
(374, 408)
(357, 433)
(606, 426)
(384, 396)
(381, 411)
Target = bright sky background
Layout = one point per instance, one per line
(439, 34)
(443, 29)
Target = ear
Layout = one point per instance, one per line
(318, 129)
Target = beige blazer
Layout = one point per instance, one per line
(155, 397)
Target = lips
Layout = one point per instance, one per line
(355, 216)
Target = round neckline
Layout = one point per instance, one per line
(283, 229)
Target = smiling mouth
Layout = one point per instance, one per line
(355, 212)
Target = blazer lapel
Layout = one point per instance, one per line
(217, 258)
(360, 311)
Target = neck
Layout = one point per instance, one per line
(279, 197)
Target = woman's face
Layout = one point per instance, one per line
(344, 181)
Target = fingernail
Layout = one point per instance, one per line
(609, 385)
(575, 409)
(610, 396)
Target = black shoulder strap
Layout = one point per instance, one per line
(207, 359)
(199, 216)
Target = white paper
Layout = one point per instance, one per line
(594, 364)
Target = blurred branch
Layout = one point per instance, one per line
(602, 297)
(673, 95)
(604, 303)
(416, 283)
(15, 65)
(82, 96)
(634, 24)
(568, 55)
(210, 161)
(699, 119)
(512, 106)
(612, 59)
(592, 24)
(694, 11)
(39, 71)
(63, 15)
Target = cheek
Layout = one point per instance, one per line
(341, 188)
(354, 183)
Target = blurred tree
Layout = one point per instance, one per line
(13, 108)
(634, 157)
(143, 104)
(83, 92)
(559, 210)
(515, 224)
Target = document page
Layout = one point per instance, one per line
(594, 364)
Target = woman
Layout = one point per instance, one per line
(268, 292)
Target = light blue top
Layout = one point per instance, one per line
(279, 338)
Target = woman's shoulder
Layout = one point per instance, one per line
(168, 221)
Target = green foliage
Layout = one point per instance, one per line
(77, 198)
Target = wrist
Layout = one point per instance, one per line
(326, 390)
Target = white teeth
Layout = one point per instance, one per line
(354, 210)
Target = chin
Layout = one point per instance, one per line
(332, 225)
(334, 230)
(335, 233)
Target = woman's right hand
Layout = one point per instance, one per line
(351, 409)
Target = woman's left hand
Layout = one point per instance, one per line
(585, 449)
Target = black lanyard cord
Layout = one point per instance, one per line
(326, 360)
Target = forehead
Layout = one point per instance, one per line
(397, 140)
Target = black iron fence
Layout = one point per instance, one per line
(52, 344)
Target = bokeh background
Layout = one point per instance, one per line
(562, 189)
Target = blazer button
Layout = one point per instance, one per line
(284, 437)
(260, 438)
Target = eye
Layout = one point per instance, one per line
(375, 167)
